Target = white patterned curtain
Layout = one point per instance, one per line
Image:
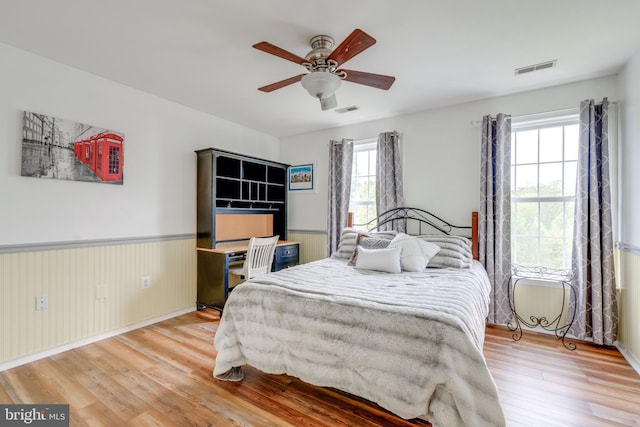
(596, 314)
(495, 212)
(340, 166)
(389, 193)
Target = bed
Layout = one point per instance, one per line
(409, 340)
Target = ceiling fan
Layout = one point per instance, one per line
(324, 76)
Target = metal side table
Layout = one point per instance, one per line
(542, 274)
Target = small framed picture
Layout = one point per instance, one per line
(301, 177)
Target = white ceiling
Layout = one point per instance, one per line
(198, 52)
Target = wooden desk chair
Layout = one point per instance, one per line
(259, 258)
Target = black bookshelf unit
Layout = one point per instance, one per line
(235, 183)
(241, 186)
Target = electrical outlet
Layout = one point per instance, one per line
(42, 302)
(145, 282)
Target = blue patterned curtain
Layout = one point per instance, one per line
(495, 213)
(596, 314)
(389, 192)
(340, 166)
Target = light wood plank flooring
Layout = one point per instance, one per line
(160, 375)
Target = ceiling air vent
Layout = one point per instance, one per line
(346, 109)
(536, 67)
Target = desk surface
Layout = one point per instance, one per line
(239, 247)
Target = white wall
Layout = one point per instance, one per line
(630, 151)
(441, 150)
(158, 195)
(629, 255)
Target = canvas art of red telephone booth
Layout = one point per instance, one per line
(103, 155)
(108, 156)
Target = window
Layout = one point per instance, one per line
(543, 180)
(362, 201)
(114, 159)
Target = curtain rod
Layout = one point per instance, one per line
(562, 110)
(351, 139)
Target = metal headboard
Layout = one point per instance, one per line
(411, 219)
(418, 221)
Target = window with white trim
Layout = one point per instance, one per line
(543, 181)
(362, 201)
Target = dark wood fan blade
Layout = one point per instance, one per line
(278, 51)
(281, 84)
(357, 41)
(369, 79)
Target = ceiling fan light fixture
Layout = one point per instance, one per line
(321, 47)
(321, 84)
(324, 75)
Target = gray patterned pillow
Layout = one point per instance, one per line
(374, 242)
(347, 244)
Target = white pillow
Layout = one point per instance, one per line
(387, 259)
(375, 241)
(416, 253)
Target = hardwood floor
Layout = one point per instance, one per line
(160, 375)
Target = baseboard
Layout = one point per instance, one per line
(635, 364)
(56, 350)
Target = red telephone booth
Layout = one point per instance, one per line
(108, 156)
(92, 158)
(78, 150)
(87, 153)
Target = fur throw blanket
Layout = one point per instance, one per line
(410, 342)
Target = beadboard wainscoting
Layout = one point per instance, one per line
(541, 299)
(90, 290)
(313, 244)
(628, 302)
